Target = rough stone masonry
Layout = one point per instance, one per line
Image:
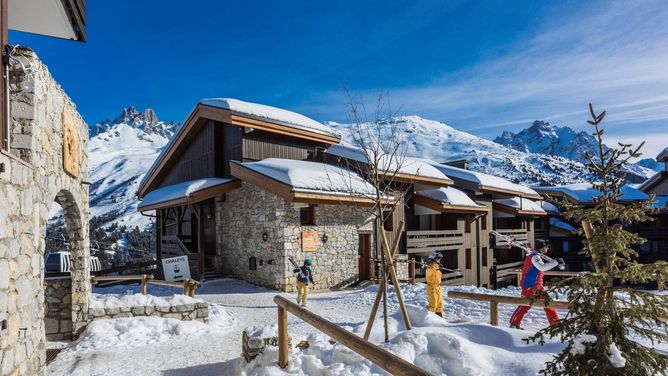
(32, 177)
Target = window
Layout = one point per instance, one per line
(467, 224)
(388, 225)
(307, 216)
(565, 246)
(484, 256)
(483, 222)
(468, 258)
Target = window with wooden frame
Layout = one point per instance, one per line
(468, 258)
(307, 216)
(484, 256)
(467, 224)
(388, 225)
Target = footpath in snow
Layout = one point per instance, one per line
(461, 344)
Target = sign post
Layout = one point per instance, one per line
(176, 268)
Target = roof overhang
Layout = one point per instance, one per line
(197, 119)
(56, 18)
(517, 212)
(508, 192)
(291, 194)
(444, 208)
(653, 181)
(193, 198)
(419, 179)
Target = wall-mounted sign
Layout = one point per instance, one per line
(309, 241)
(176, 268)
(70, 145)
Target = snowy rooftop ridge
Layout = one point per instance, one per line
(558, 223)
(313, 177)
(483, 179)
(449, 196)
(521, 204)
(270, 113)
(408, 165)
(180, 190)
(584, 193)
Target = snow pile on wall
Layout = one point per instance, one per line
(138, 300)
(523, 204)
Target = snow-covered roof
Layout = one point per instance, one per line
(558, 223)
(180, 191)
(311, 177)
(521, 205)
(408, 165)
(270, 113)
(584, 193)
(549, 207)
(449, 196)
(484, 180)
(660, 202)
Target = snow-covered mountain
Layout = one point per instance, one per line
(120, 153)
(545, 138)
(441, 142)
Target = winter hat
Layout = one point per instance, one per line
(540, 243)
(308, 261)
(435, 255)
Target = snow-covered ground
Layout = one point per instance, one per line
(461, 344)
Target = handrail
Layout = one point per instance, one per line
(495, 300)
(189, 285)
(383, 358)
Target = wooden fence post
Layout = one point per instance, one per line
(144, 284)
(412, 271)
(494, 313)
(283, 347)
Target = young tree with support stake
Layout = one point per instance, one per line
(382, 150)
(608, 328)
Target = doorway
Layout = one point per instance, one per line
(364, 256)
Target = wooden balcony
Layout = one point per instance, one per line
(432, 241)
(519, 235)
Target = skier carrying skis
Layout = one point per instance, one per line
(532, 283)
(434, 275)
(303, 278)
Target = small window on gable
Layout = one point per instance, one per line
(307, 216)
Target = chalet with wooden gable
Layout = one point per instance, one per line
(656, 232)
(239, 190)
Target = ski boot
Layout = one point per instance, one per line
(513, 326)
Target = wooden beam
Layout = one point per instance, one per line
(283, 342)
(247, 122)
(516, 300)
(420, 179)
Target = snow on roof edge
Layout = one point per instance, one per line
(180, 190)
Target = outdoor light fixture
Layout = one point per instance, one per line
(325, 238)
(265, 236)
(209, 215)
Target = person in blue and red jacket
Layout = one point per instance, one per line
(532, 283)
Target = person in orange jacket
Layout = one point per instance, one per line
(434, 276)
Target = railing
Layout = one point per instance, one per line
(503, 271)
(495, 300)
(383, 358)
(146, 267)
(540, 233)
(548, 273)
(431, 241)
(189, 285)
(519, 235)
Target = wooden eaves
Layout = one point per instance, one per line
(197, 119)
(488, 189)
(198, 196)
(517, 212)
(444, 208)
(288, 193)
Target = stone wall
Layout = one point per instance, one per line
(185, 312)
(58, 308)
(244, 215)
(31, 178)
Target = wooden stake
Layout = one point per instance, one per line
(283, 347)
(494, 313)
(395, 282)
(144, 284)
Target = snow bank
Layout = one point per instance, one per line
(139, 300)
(269, 113)
(180, 190)
(314, 177)
(523, 204)
(584, 193)
(449, 196)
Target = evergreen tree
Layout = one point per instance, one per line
(608, 329)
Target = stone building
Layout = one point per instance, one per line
(43, 161)
(240, 189)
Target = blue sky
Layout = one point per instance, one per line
(483, 67)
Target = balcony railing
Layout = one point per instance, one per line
(519, 235)
(431, 241)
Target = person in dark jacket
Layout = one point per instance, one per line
(304, 277)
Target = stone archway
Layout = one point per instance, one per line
(73, 293)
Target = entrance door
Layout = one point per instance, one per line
(364, 256)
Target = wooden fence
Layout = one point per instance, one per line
(495, 300)
(376, 265)
(383, 358)
(189, 285)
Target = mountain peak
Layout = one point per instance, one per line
(146, 120)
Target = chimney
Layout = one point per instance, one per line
(460, 163)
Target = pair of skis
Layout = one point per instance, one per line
(526, 248)
(294, 263)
